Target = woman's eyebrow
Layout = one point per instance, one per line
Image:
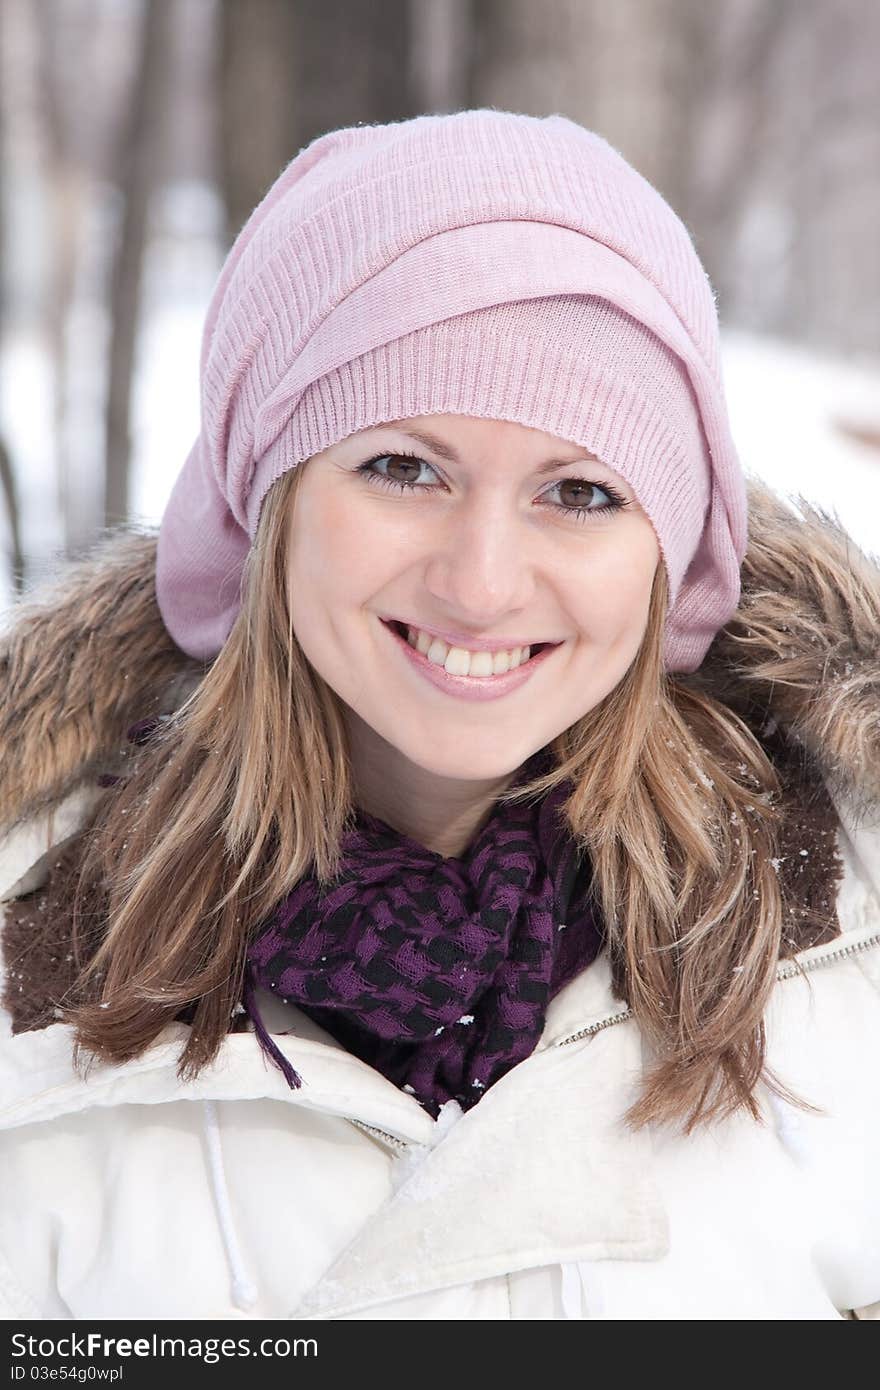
(446, 451)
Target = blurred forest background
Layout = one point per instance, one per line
(137, 135)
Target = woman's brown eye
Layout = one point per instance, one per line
(397, 460)
(583, 492)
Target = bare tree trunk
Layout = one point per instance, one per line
(353, 65)
(737, 138)
(441, 36)
(256, 101)
(65, 188)
(139, 154)
(289, 72)
(533, 58)
(832, 179)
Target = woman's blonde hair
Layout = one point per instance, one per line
(247, 787)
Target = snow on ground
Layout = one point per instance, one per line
(795, 415)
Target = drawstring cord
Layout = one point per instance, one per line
(581, 1298)
(571, 1291)
(789, 1127)
(244, 1290)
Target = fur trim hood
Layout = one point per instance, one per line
(86, 654)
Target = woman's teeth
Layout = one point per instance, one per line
(457, 661)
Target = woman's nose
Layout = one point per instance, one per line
(479, 565)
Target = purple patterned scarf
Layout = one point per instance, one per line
(437, 972)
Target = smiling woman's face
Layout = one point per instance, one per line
(488, 546)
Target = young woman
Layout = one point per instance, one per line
(442, 868)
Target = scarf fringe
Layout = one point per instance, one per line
(270, 1049)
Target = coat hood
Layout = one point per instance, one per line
(86, 654)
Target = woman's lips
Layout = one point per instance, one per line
(470, 644)
(468, 687)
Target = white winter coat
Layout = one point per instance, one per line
(130, 1195)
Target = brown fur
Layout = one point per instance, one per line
(85, 656)
(88, 655)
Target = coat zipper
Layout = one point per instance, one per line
(391, 1139)
(795, 967)
(786, 971)
(603, 1023)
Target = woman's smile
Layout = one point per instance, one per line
(452, 669)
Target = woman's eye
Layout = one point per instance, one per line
(577, 494)
(402, 471)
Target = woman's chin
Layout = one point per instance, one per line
(465, 764)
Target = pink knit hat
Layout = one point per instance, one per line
(481, 263)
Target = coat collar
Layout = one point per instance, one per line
(543, 1174)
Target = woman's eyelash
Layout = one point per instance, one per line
(616, 504)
